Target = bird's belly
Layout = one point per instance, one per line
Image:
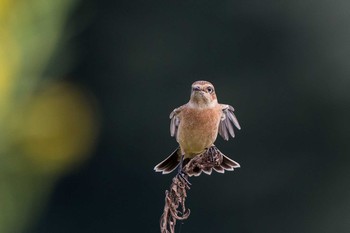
(193, 143)
(197, 131)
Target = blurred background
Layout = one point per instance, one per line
(86, 88)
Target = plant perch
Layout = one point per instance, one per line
(175, 197)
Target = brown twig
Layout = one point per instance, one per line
(174, 208)
(173, 199)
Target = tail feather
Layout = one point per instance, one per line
(207, 170)
(226, 164)
(170, 163)
(219, 169)
(229, 164)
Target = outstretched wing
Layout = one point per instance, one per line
(228, 120)
(174, 121)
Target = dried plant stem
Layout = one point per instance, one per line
(174, 199)
(175, 208)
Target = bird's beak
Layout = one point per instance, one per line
(198, 90)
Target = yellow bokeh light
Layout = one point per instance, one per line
(60, 128)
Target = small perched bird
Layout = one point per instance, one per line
(196, 125)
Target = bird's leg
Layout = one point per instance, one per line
(180, 172)
(179, 169)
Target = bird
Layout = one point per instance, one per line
(196, 125)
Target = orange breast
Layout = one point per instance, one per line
(198, 129)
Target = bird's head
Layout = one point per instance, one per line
(203, 94)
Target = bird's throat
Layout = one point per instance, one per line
(201, 102)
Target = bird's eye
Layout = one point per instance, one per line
(210, 90)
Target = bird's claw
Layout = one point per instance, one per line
(182, 176)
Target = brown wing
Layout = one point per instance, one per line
(175, 121)
(228, 120)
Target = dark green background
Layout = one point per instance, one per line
(283, 65)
